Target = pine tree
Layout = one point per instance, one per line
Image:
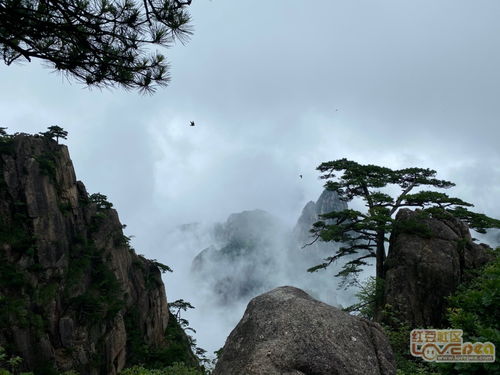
(56, 132)
(364, 234)
(100, 43)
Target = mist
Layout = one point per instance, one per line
(219, 267)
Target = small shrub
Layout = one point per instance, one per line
(174, 369)
(475, 308)
(101, 201)
(47, 164)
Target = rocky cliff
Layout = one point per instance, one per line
(427, 259)
(73, 294)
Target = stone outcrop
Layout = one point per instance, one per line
(73, 294)
(427, 259)
(287, 332)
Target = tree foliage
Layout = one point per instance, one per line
(176, 307)
(363, 235)
(101, 201)
(98, 42)
(397, 332)
(56, 132)
(475, 308)
(162, 267)
(175, 369)
(8, 363)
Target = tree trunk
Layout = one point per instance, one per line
(380, 255)
(380, 275)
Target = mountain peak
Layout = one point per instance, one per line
(328, 201)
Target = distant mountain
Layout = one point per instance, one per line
(328, 201)
(237, 267)
(254, 252)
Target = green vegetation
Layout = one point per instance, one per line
(368, 292)
(397, 331)
(177, 349)
(55, 132)
(9, 364)
(474, 308)
(13, 281)
(101, 201)
(181, 305)
(162, 267)
(65, 207)
(175, 369)
(13, 310)
(47, 164)
(103, 298)
(476, 305)
(6, 142)
(14, 229)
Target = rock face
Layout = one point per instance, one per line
(427, 259)
(327, 202)
(287, 332)
(73, 295)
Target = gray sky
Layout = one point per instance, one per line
(275, 88)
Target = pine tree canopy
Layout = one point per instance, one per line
(98, 42)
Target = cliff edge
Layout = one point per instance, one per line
(73, 294)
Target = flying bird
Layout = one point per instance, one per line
(300, 175)
(191, 123)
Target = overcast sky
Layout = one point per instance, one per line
(275, 88)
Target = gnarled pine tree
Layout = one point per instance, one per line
(363, 234)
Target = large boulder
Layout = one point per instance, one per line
(286, 331)
(428, 258)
